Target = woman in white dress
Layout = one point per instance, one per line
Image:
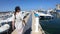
(18, 20)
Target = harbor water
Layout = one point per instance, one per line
(51, 26)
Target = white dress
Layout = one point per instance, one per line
(18, 22)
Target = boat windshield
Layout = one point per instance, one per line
(5, 17)
(45, 12)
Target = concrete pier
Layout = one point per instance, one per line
(34, 31)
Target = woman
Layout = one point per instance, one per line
(18, 20)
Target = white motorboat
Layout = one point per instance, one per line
(43, 15)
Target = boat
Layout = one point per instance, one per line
(44, 16)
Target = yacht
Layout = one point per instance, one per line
(44, 15)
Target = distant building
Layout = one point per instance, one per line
(5, 13)
(50, 11)
(58, 7)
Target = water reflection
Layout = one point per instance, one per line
(51, 26)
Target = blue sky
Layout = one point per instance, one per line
(9, 5)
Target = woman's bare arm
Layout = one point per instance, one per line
(13, 24)
(24, 23)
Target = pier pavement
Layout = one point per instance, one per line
(40, 30)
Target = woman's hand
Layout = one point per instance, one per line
(12, 28)
(24, 23)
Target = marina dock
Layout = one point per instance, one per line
(38, 29)
(33, 27)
